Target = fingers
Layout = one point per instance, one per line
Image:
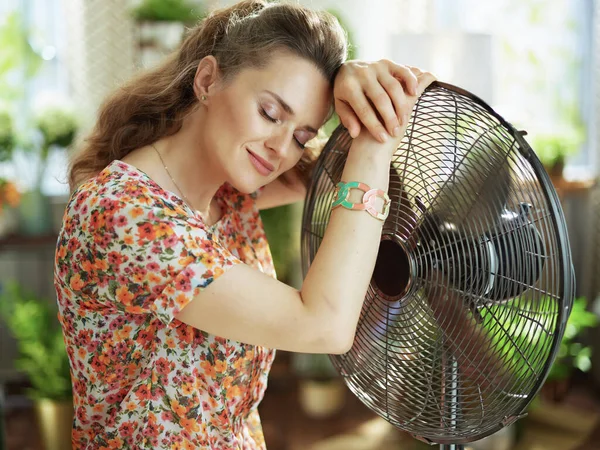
(396, 94)
(366, 114)
(348, 118)
(382, 101)
(407, 75)
(378, 95)
(424, 80)
(392, 93)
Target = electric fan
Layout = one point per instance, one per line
(473, 282)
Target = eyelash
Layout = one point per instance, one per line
(270, 119)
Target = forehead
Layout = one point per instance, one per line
(296, 80)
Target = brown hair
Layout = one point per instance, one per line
(153, 104)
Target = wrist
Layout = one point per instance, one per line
(366, 140)
(366, 148)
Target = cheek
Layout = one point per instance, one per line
(291, 161)
(240, 120)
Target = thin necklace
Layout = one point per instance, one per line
(174, 182)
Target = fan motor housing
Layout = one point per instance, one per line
(395, 271)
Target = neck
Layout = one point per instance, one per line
(192, 168)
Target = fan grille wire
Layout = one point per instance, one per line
(467, 304)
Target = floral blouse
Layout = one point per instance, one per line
(129, 257)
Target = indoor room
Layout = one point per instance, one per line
(454, 302)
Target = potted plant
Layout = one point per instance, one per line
(572, 354)
(9, 194)
(553, 148)
(55, 126)
(161, 26)
(166, 11)
(321, 390)
(43, 358)
(7, 135)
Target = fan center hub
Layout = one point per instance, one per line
(394, 270)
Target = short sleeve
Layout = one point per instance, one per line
(156, 259)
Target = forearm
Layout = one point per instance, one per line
(336, 284)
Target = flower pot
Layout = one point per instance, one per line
(321, 399)
(34, 212)
(165, 35)
(55, 422)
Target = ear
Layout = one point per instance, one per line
(207, 76)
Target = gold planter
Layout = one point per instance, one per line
(322, 399)
(55, 422)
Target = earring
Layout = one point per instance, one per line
(203, 97)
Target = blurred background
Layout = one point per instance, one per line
(536, 62)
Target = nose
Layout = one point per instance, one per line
(280, 141)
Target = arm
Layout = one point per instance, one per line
(245, 305)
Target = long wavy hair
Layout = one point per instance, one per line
(154, 104)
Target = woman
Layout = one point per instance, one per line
(167, 294)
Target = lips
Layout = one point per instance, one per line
(264, 167)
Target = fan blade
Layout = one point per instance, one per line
(475, 193)
(466, 341)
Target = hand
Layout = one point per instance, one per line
(390, 88)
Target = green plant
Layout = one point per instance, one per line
(526, 341)
(552, 149)
(316, 367)
(56, 126)
(280, 225)
(167, 11)
(7, 136)
(42, 353)
(18, 59)
(572, 354)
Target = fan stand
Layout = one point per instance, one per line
(451, 399)
(393, 279)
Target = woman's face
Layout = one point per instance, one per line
(258, 122)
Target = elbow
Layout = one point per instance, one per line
(331, 333)
(341, 350)
(341, 343)
(331, 340)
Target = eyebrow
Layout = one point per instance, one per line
(288, 109)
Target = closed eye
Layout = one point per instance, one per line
(278, 121)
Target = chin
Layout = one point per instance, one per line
(248, 180)
(246, 185)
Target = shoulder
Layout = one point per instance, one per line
(121, 198)
(118, 185)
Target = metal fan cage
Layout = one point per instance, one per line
(473, 282)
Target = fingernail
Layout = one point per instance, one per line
(383, 137)
(397, 132)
